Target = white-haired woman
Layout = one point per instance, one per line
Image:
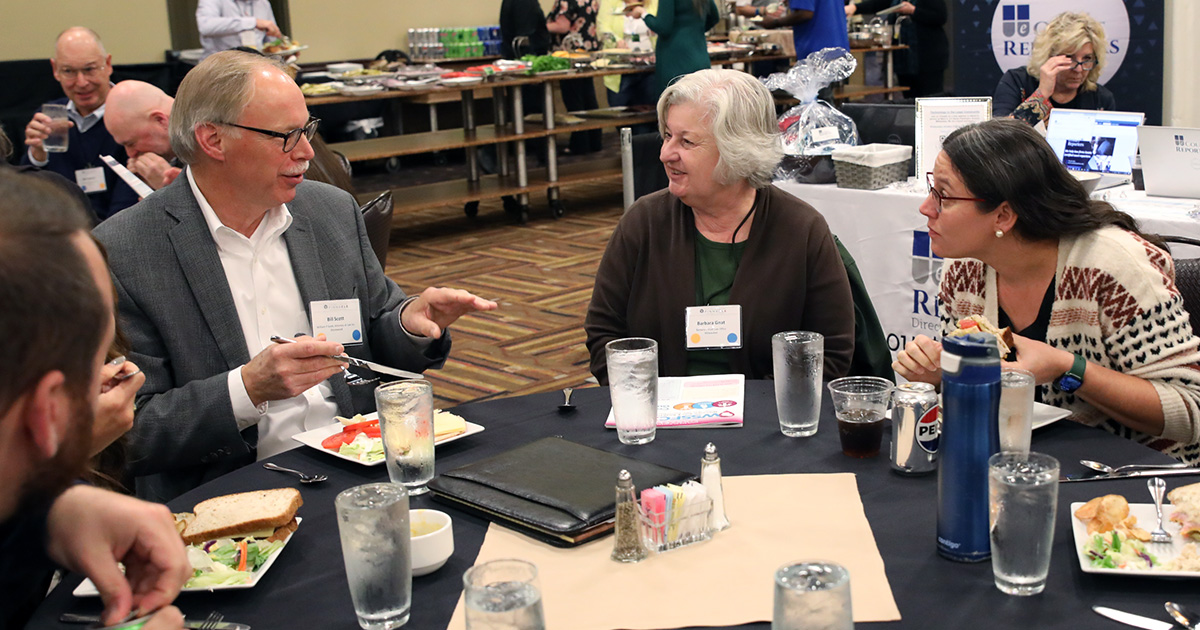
(1066, 62)
(720, 235)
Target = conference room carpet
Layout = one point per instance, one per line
(541, 274)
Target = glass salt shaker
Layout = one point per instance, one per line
(710, 478)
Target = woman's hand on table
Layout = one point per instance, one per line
(89, 531)
(920, 360)
(1044, 361)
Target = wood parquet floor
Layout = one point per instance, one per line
(541, 273)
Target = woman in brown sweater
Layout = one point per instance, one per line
(720, 234)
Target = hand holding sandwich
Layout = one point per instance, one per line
(90, 530)
(920, 360)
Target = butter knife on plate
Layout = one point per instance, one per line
(1131, 619)
(187, 623)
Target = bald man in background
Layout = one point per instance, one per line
(83, 68)
(137, 117)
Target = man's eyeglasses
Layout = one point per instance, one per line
(941, 199)
(1086, 64)
(91, 72)
(291, 138)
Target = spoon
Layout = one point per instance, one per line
(303, 477)
(1108, 470)
(567, 406)
(1183, 616)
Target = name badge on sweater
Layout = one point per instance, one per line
(713, 327)
(91, 180)
(340, 320)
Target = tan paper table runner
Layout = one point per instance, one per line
(726, 581)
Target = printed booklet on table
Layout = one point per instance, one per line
(684, 402)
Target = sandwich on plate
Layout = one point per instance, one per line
(230, 537)
(1186, 501)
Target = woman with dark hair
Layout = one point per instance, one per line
(1091, 300)
(680, 26)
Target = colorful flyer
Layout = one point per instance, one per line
(686, 402)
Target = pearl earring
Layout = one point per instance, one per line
(999, 233)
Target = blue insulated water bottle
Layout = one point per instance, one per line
(970, 406)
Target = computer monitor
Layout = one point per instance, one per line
(1096, 141)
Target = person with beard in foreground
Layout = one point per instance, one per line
(58, 316)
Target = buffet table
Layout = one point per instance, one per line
(306, 588)
(886, 234)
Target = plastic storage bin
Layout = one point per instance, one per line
(871, 166)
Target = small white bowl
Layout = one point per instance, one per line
(1088, 179)
(432, 540)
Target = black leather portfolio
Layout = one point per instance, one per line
(555, 490)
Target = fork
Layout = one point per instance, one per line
(211, 622)
(304, 477)
(1157, 487)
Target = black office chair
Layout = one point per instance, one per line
(377, 215)
(1187, 278)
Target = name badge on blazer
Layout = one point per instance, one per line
(713, 327)
(340, 320)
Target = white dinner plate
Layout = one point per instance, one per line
(1145, 520)
(287, 51)
(461, 80)
(316, 436)
(87, 589)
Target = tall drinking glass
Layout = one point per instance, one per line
(633, 386)
(1023, 498)
(373, 525)
(60, 126)
(812, 596)
(406, 420)
(503, 595)
(1016, 410)
(798, 359)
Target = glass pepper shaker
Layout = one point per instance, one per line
(627, 541)
(710, 478)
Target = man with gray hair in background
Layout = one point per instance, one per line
(83, 68)
(240, 249)
(137, 117)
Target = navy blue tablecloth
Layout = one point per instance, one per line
(306, 587)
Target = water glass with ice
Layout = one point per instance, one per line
(406, 421)
(633, 386)
(1016, 409)
(860, 403)
(503, 594)
(60, 125)
(1023, 499)
(812, 596)
(373, 525)
(798, 359)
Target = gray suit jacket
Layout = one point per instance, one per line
(177, 310)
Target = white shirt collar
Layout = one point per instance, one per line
(278, 219)
(84, 122)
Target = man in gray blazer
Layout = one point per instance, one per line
(238, 249)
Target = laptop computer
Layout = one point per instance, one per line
(1171, 161)
(1096, 141)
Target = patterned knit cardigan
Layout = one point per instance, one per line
(1116, 305)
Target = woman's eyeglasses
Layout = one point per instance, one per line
(1086, 64)
(291, 138)
(941, 199)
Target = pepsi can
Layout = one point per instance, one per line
(916, 429)
(970, 435)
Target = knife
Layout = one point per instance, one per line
(356, 362)
(187, 623)
(1134, 474)
(1131, 619)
